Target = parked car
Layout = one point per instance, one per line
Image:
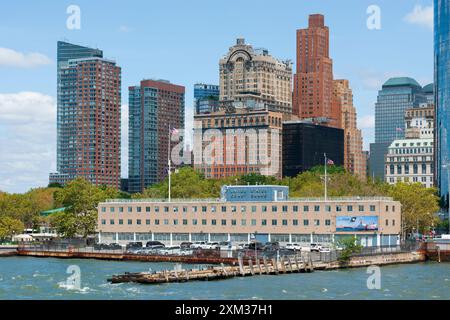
(134, 245)
(186, 252)
(101, 246)
(154, 244)
(242, 246)
(256, 246)
(198, 244)
(211, 246)
(114, 246)
(169, 250)
(294, 247)
(325, 250)
(185, 245)
(315, 247)
(227, 245)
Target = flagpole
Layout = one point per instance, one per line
(169, 162)
(325, 158)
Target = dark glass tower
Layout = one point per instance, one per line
(442, 92)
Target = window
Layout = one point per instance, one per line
(175, 209)
(243, 222)
(305, 208)
(156, 209)
(213, 222)
(139, 209)
(224, 222)
(185, 222)
(274, 208)
(224, 209)
(204, 208)
(328, 222)
(130, 209)
(274, 222)
(285, 208)
(316, 222)
(130, 221)
(295, 222)
(361, 208)
(328, 208)
(138, 221)
(157, 222)
(372, 208)
(194, 209)
(243, 209)
(253, 222)
(393, 222)
(103, 221)
(147, 222)
(338, 208)
(111, 209)
(306, 222)
(233, 222)
(233, 209)
(264, 222)
(387, 222)
(194, 222)
(349, 208)
(284, 222)
(121, 221)
(295, 208)
(166, 209)
(316, 208)
(204, 222)
(253, 208)
(111, 221)
(264, 208)
(147, 209)
(103, 209)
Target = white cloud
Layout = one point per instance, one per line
(27, 140)
(12, 58)
(373, 80)
(124, 141)
(422, 16)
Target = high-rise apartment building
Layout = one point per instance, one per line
(88, 124)
(156, 107)
(396, 96)
(313, 80)
(253, 74)
(442, 91)
(354, 158)
(206, 98)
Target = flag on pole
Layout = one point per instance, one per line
(398, 129)
(330, 162)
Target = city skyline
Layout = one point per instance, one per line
(28, 98)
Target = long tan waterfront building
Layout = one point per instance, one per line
(246, 212)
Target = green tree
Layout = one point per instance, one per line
(419, 206)
(10, 226)
(350, 246)
(80, 198)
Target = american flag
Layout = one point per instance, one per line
(174, 130)
(330, 162)
(398, 129)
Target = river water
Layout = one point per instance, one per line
(46, 278)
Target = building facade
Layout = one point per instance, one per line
(275, 217)
(238, 141)
(354, 158)
(156, 107)
(442, 91)
(206, 98)
(89, 109)
(396, 95)
(252, 74)
(410, 160)
(313, 80)
(305, 143)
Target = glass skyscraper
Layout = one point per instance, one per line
(206, 98)
(395, 96)
(442, 91)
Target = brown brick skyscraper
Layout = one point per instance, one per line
(313, 81)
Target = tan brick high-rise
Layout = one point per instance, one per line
(313, 81)
(354, 158)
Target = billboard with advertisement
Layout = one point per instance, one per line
(356, 223)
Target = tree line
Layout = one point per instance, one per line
(80, 198)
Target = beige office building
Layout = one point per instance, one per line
(248, 73)
(246, 212)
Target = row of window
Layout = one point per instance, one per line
(214, 222)
(243, 209)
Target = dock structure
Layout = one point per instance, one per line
(245, 269)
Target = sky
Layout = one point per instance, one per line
(182, 41)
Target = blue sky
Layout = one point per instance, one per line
(182, 41)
